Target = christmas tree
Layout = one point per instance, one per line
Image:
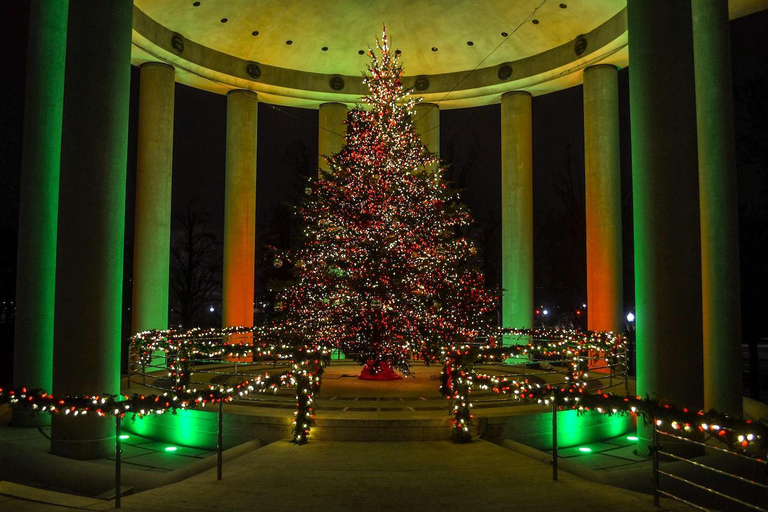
(383, 271)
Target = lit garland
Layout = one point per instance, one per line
(459, 377)
(38, 400)
(307, 363)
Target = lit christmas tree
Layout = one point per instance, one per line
(383, 271)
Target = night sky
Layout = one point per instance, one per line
(288, 148)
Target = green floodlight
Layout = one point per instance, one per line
(585, 449)
(631, 438)
(124, 436)
(170, 448)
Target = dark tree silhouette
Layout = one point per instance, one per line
(195, 267)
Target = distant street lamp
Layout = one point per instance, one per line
(630, 317)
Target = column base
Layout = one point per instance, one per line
(23, 417)
(82, 438)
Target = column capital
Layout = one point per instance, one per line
(511, 94)
(600, 67)
(158, 64)
(246, 92)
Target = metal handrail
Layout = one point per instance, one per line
(714, 470)
(707, 489)
(682, 500)
(710, 447)
(657, 471)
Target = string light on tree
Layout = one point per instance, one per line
(384, 269)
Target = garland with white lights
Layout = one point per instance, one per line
(38, 400)
(458, 379)
(460, 376)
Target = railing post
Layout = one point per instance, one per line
(118, 456)
(655, 442)
(220, 443)
(554, 439)
(625, 344)
(130, 365)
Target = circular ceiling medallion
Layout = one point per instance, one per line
(580, 46)
(505, 72)
(337, 83)
(253, 70)
(422, 83)
(177, 44)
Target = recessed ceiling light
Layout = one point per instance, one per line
(434, 48)
(535, 22)
(324, 48)
(563, 6)
(361, 52)
(289, 42)
(196, 4)
(504, 34)
(470, 43)
(224, 20)
(255, 33)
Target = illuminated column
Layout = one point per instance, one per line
(666, 204)
(721, 304)
(427, 124)
(240, 209)
(39, 198)
(152, 232)
(331, 133)
(89, 273)
(602, 173)
(516, 210)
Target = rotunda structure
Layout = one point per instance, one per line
(458, 54)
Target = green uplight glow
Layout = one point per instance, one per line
(170, 448)
(631, 438)
(585, 449)
(124, 436)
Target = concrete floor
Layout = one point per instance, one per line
(329, 476)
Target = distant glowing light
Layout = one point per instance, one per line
(210, 309)
(585, 449)
(630, 317)
(631, 438)
(170, 448)
(124, 436)
(545, 312)
(584, 305)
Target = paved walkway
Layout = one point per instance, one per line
(329, 476)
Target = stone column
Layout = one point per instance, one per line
(427, 124)
(332, 132)
(240, 209)
(721, 300)
(516, 210)
(39, 199)
(152, 236)
(602, 180)
(89, 273)
(666, 204)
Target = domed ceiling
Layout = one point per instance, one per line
(456, 52)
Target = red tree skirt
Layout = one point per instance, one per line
(385, 371)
